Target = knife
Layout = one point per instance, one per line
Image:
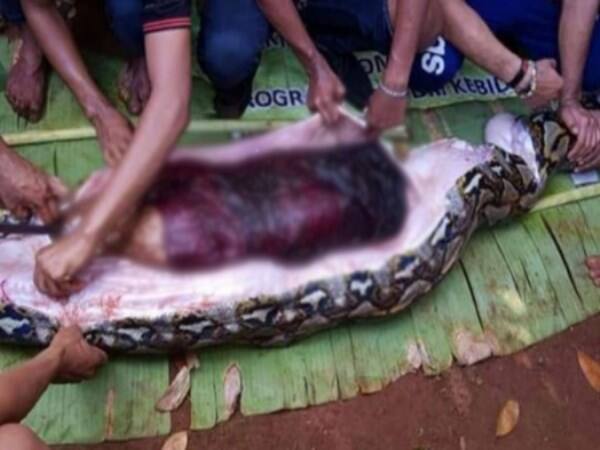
(29, 228)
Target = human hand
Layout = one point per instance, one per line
(25, 189)
(326, 92)
(58, 264)
(549, 84)
(114, 132)
(385, 112)
(77, 360)
(585, 154)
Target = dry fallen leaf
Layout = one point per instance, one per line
(591, 370)
(176, 392)
(508, 418)
(233, 388)
(178, 441)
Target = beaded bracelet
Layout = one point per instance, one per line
(393, 93)
(530, 90)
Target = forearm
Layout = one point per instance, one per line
(408, 25)
(576, 26)
(283, 15)
(7, 155)
(56, 40)
(469, 33)
(22, 386)
(164, 119)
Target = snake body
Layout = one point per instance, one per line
(503, 185)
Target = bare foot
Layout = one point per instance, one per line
(25, 189)
(134, 85)
(114, 133)
(27, 81)
(593, 265)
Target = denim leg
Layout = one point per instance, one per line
(125, 17)
(232, 36)
(12, 12)
(435, 67)
(534, 27)
(591, 75)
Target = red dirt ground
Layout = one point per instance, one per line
(458, 410)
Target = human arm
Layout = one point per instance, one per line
(56, 40)
(576, 25)
(385, 110)
(163, 121)
(326, 91)
(470, 34)
(68, 358)
(25, 189)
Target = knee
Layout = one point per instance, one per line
(228, 58)
(19, 437)
(435, 67)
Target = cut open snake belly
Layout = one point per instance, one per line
(451, 189)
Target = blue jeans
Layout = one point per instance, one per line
(532, 26)
(12, 12)
(232, 36)
(347, 26)
(234, 32)
(125, 18)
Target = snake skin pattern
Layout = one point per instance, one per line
(502, 186)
